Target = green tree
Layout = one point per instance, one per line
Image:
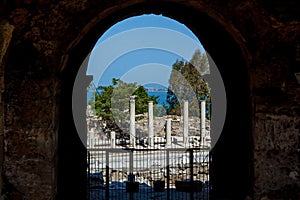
(112, 102)
(142, 99)
(186, 83)
(200, 62)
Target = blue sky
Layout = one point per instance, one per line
(146, 20)
(141, 49)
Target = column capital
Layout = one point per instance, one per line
(132, 98)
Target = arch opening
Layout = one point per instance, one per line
(187, 80)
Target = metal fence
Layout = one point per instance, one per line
(148, 173)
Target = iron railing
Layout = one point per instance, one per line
(123, 173)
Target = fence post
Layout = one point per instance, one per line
(132, 179)
(131, 162)
(192, 171)
(89, 174)
(168, 174)
(107, 176)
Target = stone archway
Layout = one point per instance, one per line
(51, 39)
(231, 172)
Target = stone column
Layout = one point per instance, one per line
(185, 123)
(168, 136)
(113, 139)
(150, 124)
(203, 121)
(132, 121)
(92, 138)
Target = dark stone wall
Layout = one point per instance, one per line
(5, 37)
(51, 39)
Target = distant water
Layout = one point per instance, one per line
(162, 97)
